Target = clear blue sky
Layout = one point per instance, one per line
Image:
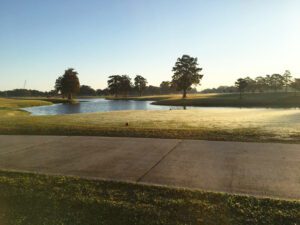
(232, 38)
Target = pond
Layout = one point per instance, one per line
(103, 105)
(95, 105)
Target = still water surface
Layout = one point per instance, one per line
(95, 105)
(103, 105)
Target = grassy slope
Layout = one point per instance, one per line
(226, 100)
(30, 199)
(51, 100)
(8, 103)
(11, 107)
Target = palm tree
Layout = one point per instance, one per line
(68, 84)
(186, 73)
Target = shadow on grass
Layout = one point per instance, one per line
(33, 199)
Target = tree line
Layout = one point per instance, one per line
(275, 82)
(26, 93)
(186, 73)
(269, 83)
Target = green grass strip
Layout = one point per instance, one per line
(34, 199)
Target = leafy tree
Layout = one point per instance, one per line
(58, 85)
(86, 91)
(241, 85)
(126, 85)
(287, 79)
(70, 83)
(114, 84)
(296, 85)
(26, 93)
(251, 84)
(166, 87)
(103, 92)
(220, 89)
(119, 84)
(152, 90)
(261, 84)
(186, 73)
(140, 84)
(268, 82)
(276, 82)
(51, 93)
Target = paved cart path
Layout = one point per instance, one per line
(264, 169)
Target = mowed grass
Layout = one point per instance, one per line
(12, 106)
(278, 125)
(31, 199)
(278, 99)
(51, 100)
(8, 103)
(233, 100)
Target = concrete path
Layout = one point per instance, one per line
(251, 168)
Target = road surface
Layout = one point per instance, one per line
(263, 169)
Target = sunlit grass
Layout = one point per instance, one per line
(200, 124)
(20, 103)
(211, 124)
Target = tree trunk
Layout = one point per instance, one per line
(70, 96)
(240, 95)
(184, 93)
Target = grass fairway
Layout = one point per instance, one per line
(11, 106)
(31, 199)
(278, 125)
(9, 103)
(226, 100)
